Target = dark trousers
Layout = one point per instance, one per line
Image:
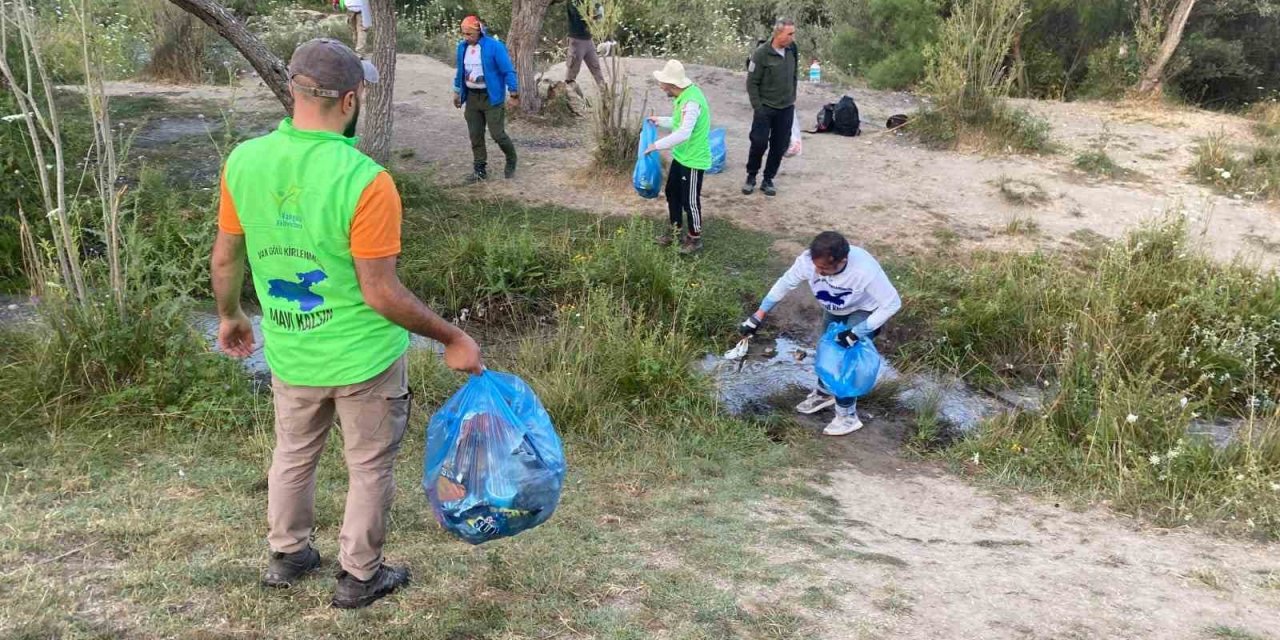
(770, 129)
(848, 321)
(480, 113)
(684, 197)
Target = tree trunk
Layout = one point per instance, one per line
(376, 114)
(526, 26)
(271, 69)
(1153, 77)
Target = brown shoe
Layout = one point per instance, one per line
(690, 244)
(669, 238)
(357, 594)
(284, 569)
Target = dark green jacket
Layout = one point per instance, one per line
(771, 78)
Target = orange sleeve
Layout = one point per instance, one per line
(228, 218)
(375, 229)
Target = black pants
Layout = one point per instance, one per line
(684, 196)
(770, 129)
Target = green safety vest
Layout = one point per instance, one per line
(695, 152)
(296, 192)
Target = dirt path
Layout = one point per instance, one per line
(912, 551)
(881, 189)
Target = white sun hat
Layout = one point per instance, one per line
(673, 74)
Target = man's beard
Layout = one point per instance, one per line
(350, 131)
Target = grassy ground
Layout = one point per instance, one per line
(1143, 347)
(134, 489)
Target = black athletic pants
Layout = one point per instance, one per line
(684, 196)
(770, 129)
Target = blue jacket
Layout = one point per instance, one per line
(499, 75)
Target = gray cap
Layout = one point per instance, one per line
(333, 66)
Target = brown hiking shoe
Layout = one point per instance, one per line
(690, 244)
(283, 569)
(667, 239)
(357, 594)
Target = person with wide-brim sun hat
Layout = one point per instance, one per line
(690, 146)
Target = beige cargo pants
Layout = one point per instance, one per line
(373, 416)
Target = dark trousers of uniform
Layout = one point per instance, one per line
(684, 197)
(479, 114)
(771, 130)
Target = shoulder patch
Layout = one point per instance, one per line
(751, 68)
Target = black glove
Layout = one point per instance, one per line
(846, 338)
(749, 326)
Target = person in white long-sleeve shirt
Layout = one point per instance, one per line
(690, 145)
(854, 291)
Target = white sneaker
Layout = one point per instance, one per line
(843, 425)
(816, 401)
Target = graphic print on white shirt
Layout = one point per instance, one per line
(473, 68)
(861, 286)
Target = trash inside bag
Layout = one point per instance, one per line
(718, 151)
(648, 174)
(847, 373)
(797, 145)
(494, 464)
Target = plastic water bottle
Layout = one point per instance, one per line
(815, 73)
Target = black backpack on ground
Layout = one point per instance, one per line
(846, 120)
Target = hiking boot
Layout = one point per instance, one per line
(478, 174)
(573, 84)
(283, 569)
(667, 239)
(843, 425)
(357, 594)
(749, 187)
(690, 244)
(816, 401)
(509, 171)
(768, 189)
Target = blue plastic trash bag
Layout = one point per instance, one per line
(648, 174)
(494, 465)
(847, 373)
(718, 151)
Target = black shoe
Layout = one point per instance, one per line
(768, 189)
(478, 174)
(357, 594)
(749, 187)
(283, 569)
(510, 171)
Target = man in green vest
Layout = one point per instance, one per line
(320, 225)
(690, 145)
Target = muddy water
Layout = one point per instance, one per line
(787, 365)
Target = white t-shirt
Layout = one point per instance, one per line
(357, 6)
(861, 286)
(473, 67)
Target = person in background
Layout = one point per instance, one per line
(690, 145)
(485, 83)
(360, 20)
(319, 224)
(772, 75)
(853, 291)
(581, 49)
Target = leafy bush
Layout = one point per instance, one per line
(886, 41)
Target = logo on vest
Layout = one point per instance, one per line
(288, 196)
(299, 291)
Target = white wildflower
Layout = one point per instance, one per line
(1155, 459)
(1131, 419)
(1183, 402)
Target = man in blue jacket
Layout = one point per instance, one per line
(484, 78)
